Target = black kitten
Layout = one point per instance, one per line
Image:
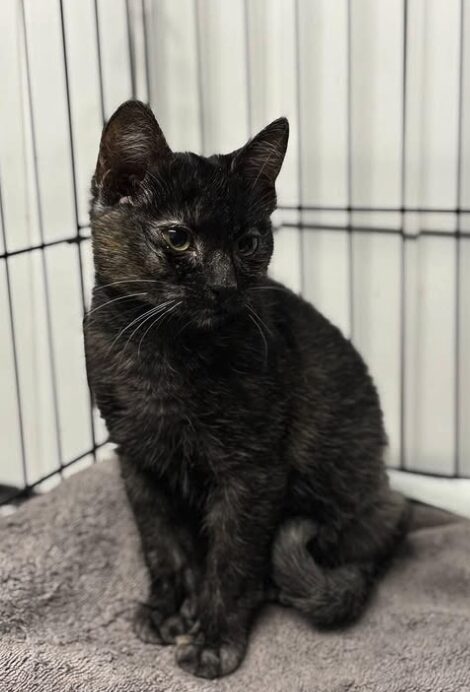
(249, 431)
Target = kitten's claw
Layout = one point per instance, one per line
(205, 661)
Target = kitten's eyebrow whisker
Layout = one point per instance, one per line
(160, 182)
(128, 295)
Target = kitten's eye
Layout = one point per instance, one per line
(177, 238)
(247, 244)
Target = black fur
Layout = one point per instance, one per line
(249, 431)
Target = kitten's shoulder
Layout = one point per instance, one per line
(304, 323)
(291, 304)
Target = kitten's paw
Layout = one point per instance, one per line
(181, 623)
(153, 627)
(188, 611)
(205, 661)
(173, 627)
(145, 627)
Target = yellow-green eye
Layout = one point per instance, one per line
(177, 238)
(247, 244)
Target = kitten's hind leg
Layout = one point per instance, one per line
(170, 551)
(327, 576)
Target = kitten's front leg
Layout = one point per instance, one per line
(170, 553)
(240, 524)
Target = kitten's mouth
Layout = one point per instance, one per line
(217, 312)
(211, 316)
(225, 305)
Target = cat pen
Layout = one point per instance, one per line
(372, 227)
(373, 216)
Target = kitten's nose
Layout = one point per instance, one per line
(221, 279)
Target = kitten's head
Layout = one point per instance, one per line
(180, 227)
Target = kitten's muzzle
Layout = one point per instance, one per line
(223, 299)
(222, 293)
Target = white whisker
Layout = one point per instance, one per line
(258, 318)
(262, 336)
(125, 281)
(128, 295)
(156, 311)
(160, 318)
(137, 319)
(269, 288)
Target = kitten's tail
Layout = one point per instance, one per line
(329, 596)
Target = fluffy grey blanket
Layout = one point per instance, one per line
(71, 572)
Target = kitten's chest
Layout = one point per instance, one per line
(160, 428)
(168, 407)
(180, 411)
(188, 420)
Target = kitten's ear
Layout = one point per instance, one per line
(131, 141)
(260, 160)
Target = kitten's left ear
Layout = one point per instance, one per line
(260, 160)
(131, 141)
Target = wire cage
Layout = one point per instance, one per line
(373, 223)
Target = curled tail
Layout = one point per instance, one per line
(329, 596)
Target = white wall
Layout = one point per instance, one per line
(219, 72)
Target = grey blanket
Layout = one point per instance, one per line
(71, 573)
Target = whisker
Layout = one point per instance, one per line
(128, 295)
(147, 331)
(125, 281)
(160, 318)
(184, 327)
(169, 311)
(137, 319)
(262, 336)
(156, 311)
(269, 288)
(255, 314)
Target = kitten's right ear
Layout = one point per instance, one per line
(131, 141)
